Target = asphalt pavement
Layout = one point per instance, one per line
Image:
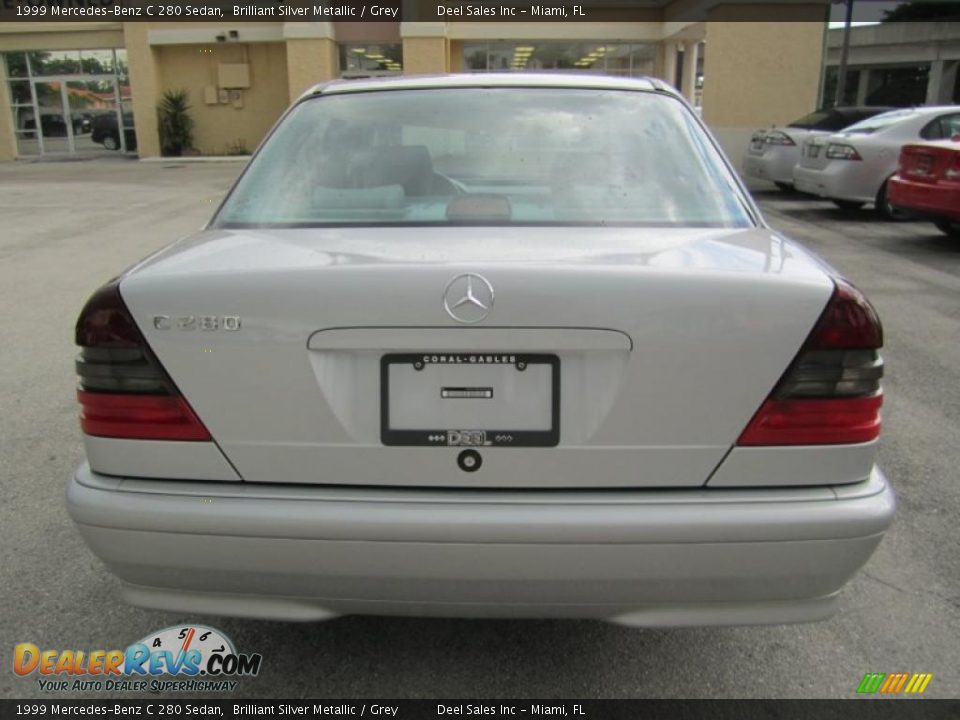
(67, 227)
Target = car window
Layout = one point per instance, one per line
(881, 122)
(819, 120)
(943, 128)
(487, 155)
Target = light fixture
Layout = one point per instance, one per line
(359, 51)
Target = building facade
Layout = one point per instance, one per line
(93, 88)
(900, 64)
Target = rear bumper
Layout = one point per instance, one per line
(651, 558)
(775, 165)
(839, 180)
(933, 201)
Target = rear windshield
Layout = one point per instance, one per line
(881, 122)
(820, 120)
(487, 156)
(835, 119)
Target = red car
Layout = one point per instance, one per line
(928, 183)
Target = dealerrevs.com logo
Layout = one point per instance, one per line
(191, 658)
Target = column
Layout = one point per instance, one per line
(312, 56)
(144, 86)
(669, 74)
(691, 49)
(425, 48)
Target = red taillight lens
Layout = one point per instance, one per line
(124, 391)
(831, 393)
(144, 417)
(848, 323)
(817, 421)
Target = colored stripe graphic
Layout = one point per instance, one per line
(894, 683)
(871, 682)
(918, 683)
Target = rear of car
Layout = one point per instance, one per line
(773, 153)
(458, 347)
(853, 167)
(927, 183)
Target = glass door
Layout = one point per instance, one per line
(95, 123)
(49, 121)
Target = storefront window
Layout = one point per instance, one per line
(70, 101)
(54, 62)
(850, 89)
(357, 60)
(900, 86)
(16, 65)
(625, 59)
(97, 62)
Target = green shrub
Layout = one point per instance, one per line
(175, 123)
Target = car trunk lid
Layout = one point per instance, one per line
(658, 345)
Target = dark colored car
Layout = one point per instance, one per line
(104, 130)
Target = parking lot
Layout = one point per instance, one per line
(67, 227)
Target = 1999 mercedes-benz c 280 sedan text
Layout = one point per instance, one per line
(487, 345)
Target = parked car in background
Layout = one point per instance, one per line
(928, 183)
(852, 167)
(773, 153)
(105, 131)
(452, 346)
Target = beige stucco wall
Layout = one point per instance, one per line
(760, 74)
(144, 87)
(60, 36)
(194, 67)
(425, 55)
(310, 61)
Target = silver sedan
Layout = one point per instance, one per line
(462, 346)
(852, 167)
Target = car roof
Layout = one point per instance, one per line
(843, 109)
(466, 80)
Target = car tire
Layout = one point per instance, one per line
(111, 143)
(785, 187)
(848, 204)
(951, 229)
(886, 210)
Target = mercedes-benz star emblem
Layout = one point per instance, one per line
(468, 298)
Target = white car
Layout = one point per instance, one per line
(773, 153)
(852, 167)
(461, 346)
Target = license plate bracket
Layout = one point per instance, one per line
(470, 399)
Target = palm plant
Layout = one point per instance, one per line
(175, 123)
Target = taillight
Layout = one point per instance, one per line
(953, 169)
(124, 391)
(831, 393)
(839, 151)
(776, 137)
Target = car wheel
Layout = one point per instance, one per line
(848, 204)
(111, 143)
(785, 187)
(949, 228)
(886, 210)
